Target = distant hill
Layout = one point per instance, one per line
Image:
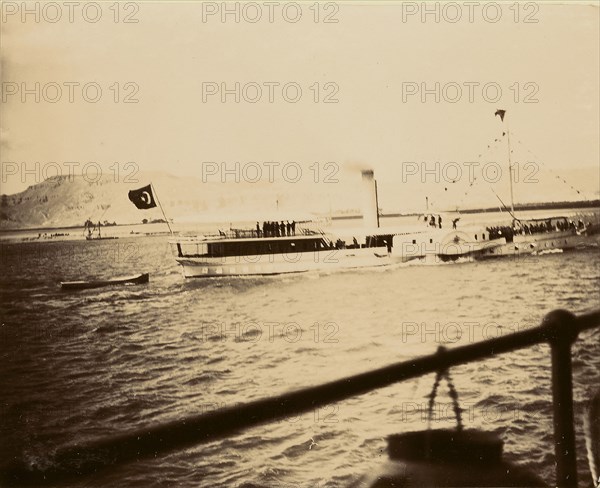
(64, 201)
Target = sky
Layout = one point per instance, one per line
(383, 85)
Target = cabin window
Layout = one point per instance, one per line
(475, 236)
(414, 241)
(430, 241)
(483, 237)
(252, 248)
(191, 249)
(216, 250)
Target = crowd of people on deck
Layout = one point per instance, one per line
(500, 231)
(431, 220)
(276, 229)
(533, 228)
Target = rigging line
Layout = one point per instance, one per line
(102, 215)
(504, 205)
(551, 170)
(492, 146)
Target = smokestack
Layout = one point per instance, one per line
(370, 210)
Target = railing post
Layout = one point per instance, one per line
(562, 333)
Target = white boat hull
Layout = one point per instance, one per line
(447, 246)
(273, 264)
(534, 244)
(440, 244)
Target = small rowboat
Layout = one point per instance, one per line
(123, 280)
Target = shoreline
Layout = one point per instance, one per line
(518, 208)
(586, 204)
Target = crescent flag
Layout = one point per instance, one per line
(143, 197)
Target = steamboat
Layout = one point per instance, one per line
(522, 236)
(279, 246)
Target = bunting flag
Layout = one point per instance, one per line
(501, 114)
(143, 198)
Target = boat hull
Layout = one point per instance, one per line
(442, 245)
(449, 246)
(274, 264)
(529, 245)
(125, 280)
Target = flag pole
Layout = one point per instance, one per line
(161, 208)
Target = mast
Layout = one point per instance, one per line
(510, 178)
(376, 203)
(502, 114)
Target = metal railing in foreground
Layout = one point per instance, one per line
(559, 328)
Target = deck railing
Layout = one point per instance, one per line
(559, 329)
(258, 233)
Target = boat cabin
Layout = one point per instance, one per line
(221, 248)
